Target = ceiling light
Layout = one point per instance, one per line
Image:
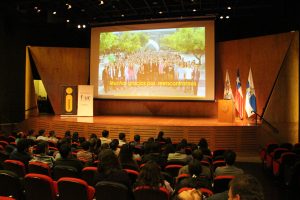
(194, 10)
(35, 8)
(221, 17)
(160, 12)
(101, 2)
(78, 26)
(69, 6)
(68, 20)
(228, 8)
(54, 13)
(38, 11)
(83, 26)
(122, 15)
(227, 17)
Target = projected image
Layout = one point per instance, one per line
(154, 63)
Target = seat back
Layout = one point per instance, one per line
(111, 190)
(39, 168)
(181, 177)
(60, 171)
(74, 189)
(15, 166)
(132, 175)
(221, 183)
(218, 163)
(173, 169)
(10, 184)
(39, 186)
(88, 174)
(148, 193)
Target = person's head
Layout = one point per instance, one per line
(137, 138)
(122, 136)
(108, 161)
(195, 168)
(160, 135)
(105, 133)
(65, 150)
(23, 145)
(197, 154)
(245, 187)
(203, 143)
(150, 175)
(42, 147)
(93, 136)
(75, 137)
(192, 194)
(180, 146)
(125, 154)
(229, 157)
(85, 145)
(114, 144)
(51, 133)
(68, 134)
(41, 132)
(31, 132)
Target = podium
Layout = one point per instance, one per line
(226, 110)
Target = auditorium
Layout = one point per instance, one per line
(149, 99)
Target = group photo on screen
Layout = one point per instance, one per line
(155, 62)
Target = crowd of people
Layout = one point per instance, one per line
(149, 158)
(150, 66)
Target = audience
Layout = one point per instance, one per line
(84, 154)
(229, 169)
(203, 146)
(114, 145)
(30, 135)
(180, 154)
(126, 158)
(122, 139)
(160, 137)
(42, 136)
(52, 137)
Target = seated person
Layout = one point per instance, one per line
(122, 139)
(67, 159)
(126, 158)
(150, 175)
(42, 136)
(21, 153)
(109, 169)
(84, 154)
(244, 187)
(40, 155)
(197, 155)
(229, 169)
(105, 137)
(180, 154)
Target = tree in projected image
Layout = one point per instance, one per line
(186, 40)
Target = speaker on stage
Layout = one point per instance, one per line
(226, 110)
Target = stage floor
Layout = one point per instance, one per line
(151, 121)
(240, 135)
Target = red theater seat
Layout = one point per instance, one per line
(111, 190)
(39, 168)
(88, 174)
(15, 166)
(221, 183)
(149, 193)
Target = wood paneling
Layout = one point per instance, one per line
(60, 66)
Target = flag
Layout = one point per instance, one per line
(227, 88)
(239, 96)
(250, 104)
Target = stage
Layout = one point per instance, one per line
(240, 135)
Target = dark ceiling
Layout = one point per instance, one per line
(246, 18)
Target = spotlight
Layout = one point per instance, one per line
(54, 13)
(228, 8)
(194, 10)
(227, 17)
(122, 15)
(38, 11)
(78, 26)
(160, 12)
(83, 26)
(221, 17)
(67, 20)
(101, 2)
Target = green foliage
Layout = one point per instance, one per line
(186, 40)
(126, 42)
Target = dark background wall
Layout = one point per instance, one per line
(14, 37)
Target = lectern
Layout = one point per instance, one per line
(226, 110)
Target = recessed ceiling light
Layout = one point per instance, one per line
(68, 20)
(194, 10)
(122, 15)
(54, 13)
(38, 11)
(69, 6)
(78, 26)
(227, 17)
(228, 8)
(160, 12)
(101, 2)
(83, 26)
(221, 17)
(35, 7)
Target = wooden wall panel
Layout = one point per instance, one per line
(60, 66)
